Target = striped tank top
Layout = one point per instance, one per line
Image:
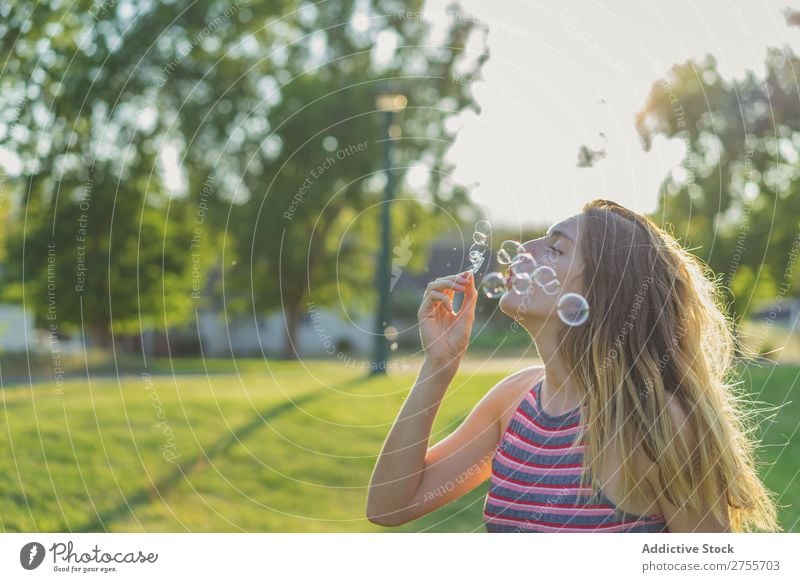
(535, 479)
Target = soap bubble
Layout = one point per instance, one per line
(476, 266)
(480, 237)
(475, 256)
(483, 227)
(509, 252)
(573, 309)
(544, 274)
(522, 284)
(493, 285)
(522, 274)
(545, 277)
(393, 346)
(552, 287)
(525, 265)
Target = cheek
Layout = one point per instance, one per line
(549, 279)
(570, 275)
(572, 283)
(508, 302)
(515, 305)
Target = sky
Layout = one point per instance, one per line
(559, 76)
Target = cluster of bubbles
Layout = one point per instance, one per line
(526, 276)
(480, 239)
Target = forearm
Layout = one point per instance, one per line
(401, 463)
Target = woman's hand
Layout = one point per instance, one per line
(445, 334)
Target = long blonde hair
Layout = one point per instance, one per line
(656, 329)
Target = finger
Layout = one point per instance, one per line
(446, 285)
(458, 276)
(468, 306)
(438, 296)
(461, 278)
(432, 296)
(427, 302)
(470, 297)
(471, 290)
(449, 285)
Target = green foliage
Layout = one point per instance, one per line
(736, 198)
(98, 237)
(256, 98)
(309, 226)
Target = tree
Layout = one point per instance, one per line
(311, 180)
(98, 237)
(149, 135)
(736, 197)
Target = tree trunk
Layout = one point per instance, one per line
(292, 321)
(294, 310)
(100, 334)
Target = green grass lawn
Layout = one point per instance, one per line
(263, 446)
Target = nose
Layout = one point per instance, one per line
(533, 247)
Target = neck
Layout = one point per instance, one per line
(559, 392)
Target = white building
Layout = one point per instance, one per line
(16, 329)
(322, 333)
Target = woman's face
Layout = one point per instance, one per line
(559, 250)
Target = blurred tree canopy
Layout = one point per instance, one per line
(161, 146)
(735, 200)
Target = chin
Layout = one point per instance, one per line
(523, 307)
(510, 303)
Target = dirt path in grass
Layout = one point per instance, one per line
(482, 364)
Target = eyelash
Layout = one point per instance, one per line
(555, 250)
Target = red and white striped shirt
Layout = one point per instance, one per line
(535, 479)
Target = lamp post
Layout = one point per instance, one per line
(388, 100)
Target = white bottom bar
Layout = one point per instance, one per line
(407, 557)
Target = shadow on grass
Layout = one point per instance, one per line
(33, 381)
(161, 488)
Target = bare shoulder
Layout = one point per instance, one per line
(526, 374)
(520, 379)
(506, 393)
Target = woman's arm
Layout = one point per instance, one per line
(410, 480)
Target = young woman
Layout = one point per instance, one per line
(629, 426)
